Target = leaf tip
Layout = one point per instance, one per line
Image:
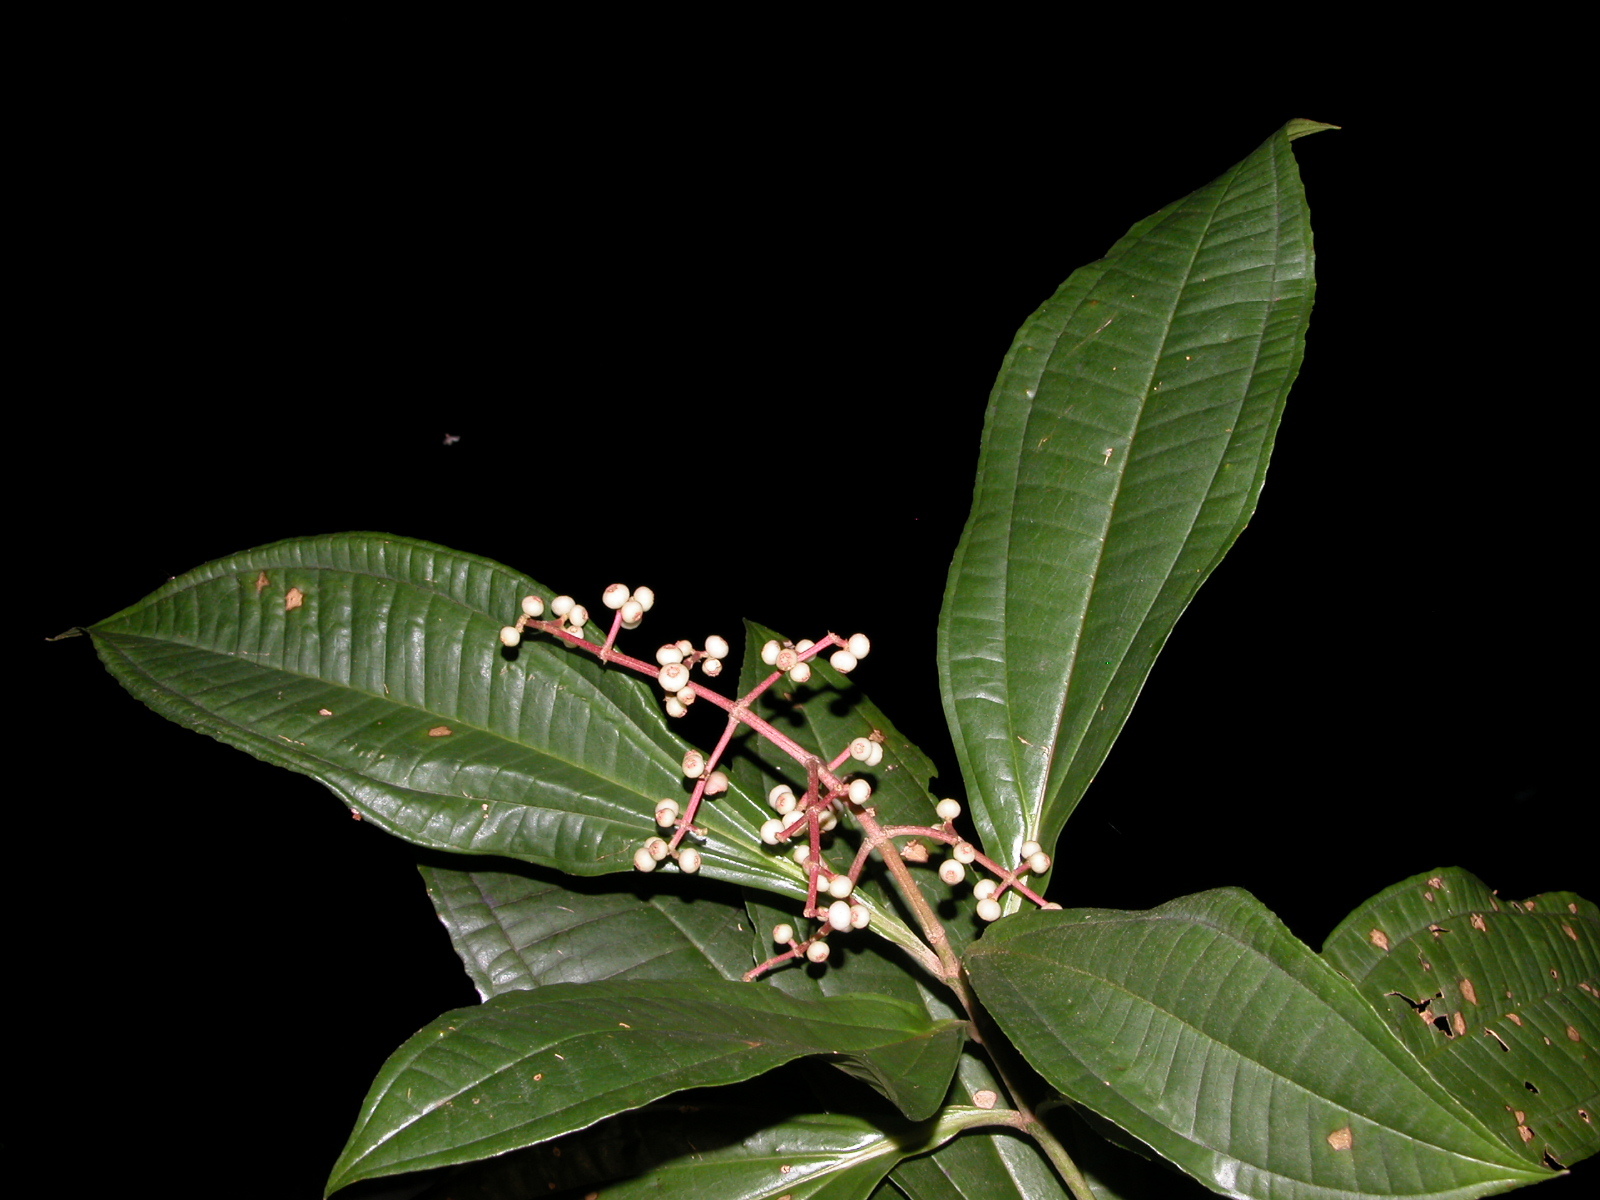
(1300, 127)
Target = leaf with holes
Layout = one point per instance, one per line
(373, 663)
(1498, 999)
(1212, 1034)
(1125, 445)
(526, 1066)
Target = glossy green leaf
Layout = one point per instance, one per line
(526, 1066)
(1498, 999)
(519, 929)
(1125, 445)
(373, 663)
(1212, 1034)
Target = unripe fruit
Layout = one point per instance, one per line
(674, 677)
(689, 861)
(860, 791)
(861, 749)
(615, 596)
(645, 598)
(829, 821)
(769, 831)
(711, 666)
(817, 952)
(989, 909)
(532, 606)
(783, 934)
(842, 661)
(716, 783)
(779, 790)
(786, 803)
(839, 915)
(632, 613)
(964, 852)
(860, 918)
(800, 854)
(800, 672)
(562, 605)
(666, 813)
(717, 647)
(803, 645)
(859, 645)
(786, 659)
(685, 645)
(948, 810)
(1029, 849)
(675, 707)
(876, 756)
(983, 889)
(656, 847)
(578, 616)
(952, 872)
(840, 886)
(769, 652)
(1039, 863)
(686, 697)
(642, 860)
(510, 635)
(669, 654)
(694, 764)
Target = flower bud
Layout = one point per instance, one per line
(615, 596)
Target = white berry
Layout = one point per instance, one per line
(952, 872)
(615, 596)
(948, 810)
(532, 606)
(675, 707)
(666, 813)
(817, 952)
(783, 934)
(686, 697)
(645, 597)
(859, 645)
(689, 861)
(510, 635)
(964, 852)
(842, 661)
(860, 918)
(1039, 863)
(839, 915)
(860, 791)
(785, 659)
(643, 860)
(770, 830)
(711, 666)
(989, 909)
(656, 847)
(1029, 849)
(840, 886)
(562, 605)
(983, 889)
(632, 613)
(800, 672)
(717, 647)
(803, 645)
(716, 783)
(669, 654)
(674, 677)
(769, 652)
(694, 764)
(577, 616)
(876, 756)
(861, 749)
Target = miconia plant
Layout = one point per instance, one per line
(811, 901)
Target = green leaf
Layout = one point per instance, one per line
(1212, 1034)
(519, 929)
(526, 1066)
(1125, 445)
(373, 663)
(1498, 999)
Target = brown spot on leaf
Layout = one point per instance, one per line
(1572, 908)
(293, 599)
(1514, 1019)
(914, 851)
(1436, 930)
(1380, 939)
(1458, 1023)
(355, 814)
(1470, 992)
(1523, 1131)
(1583, 1115)
(1498, 1038)
(984, 1098)
(538, 1077)
(261, 583)
(1569, 931)
(324, 712)
(1532, 904)
(1341, 1139)
(1573, 1035)
(440, 731)
(1437, 881)
(1479, 923)
(1589, 987)
(1428, 896)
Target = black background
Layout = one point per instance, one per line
(267, 304)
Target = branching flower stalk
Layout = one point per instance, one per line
(831, 899)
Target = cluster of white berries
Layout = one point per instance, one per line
(677, 658)
(791, 658)
(574, 616)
